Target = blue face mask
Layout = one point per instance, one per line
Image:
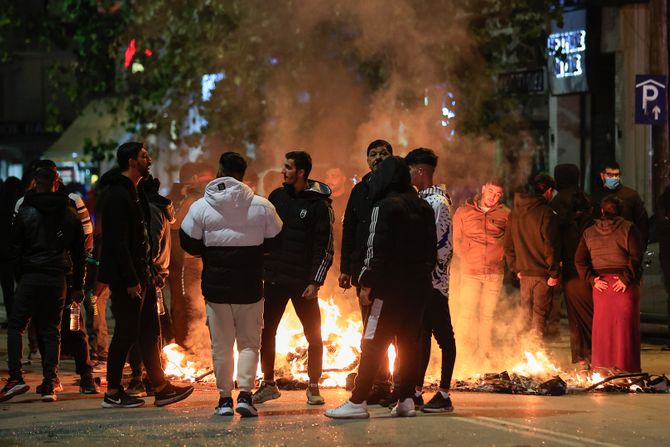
(612, 182)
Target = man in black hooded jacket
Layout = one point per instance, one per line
(47, 244)
(532, 250)
(125, 267)
(575, 214)
(396, 281)
(296, 268)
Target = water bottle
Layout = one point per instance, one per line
(74, 317)
(160, 304)
(93, 299)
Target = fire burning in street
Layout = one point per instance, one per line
(532, 372)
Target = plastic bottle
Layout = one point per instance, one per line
(160, 304)
(74, 317)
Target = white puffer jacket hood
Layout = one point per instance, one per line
(229, 197)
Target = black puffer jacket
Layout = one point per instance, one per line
(402, 244)
(303, 250)
(47, 237)
(124, 258)
(355, 229)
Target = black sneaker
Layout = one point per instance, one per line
(225, 407)
(48, 392)
(388, 400)
(13, 388)
(244, 406)
(171, 394)
(438, 404)
(58, 387)
(418, 401)
(136, 388)
(87, 385)
(378, 393)
(121, 400)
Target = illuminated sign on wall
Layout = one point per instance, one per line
(567, 50)
(566, 54)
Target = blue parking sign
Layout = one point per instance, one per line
(650, 100)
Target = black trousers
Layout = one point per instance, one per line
(399, 316)
(437, 322)
(384, 378)
(136, 321)
(77, 342)
(276, 298)
(579, 303)
(8, 286)
(43, 304)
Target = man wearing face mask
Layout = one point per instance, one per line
(632, 206)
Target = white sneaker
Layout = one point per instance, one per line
(349, 410)
(404, 408)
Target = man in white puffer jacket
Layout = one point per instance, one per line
(228, 228)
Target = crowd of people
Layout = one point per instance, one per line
(233, 259)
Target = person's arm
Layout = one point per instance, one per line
(116, 228)
(191, 232)
(78, 254)
(85, 218)
(16, 245)
(583, 262)
(508, 244)
(635, 255)
(322, 249)
(457, 223)
(641, 221)
(442, 232)
(552, 243)
(273, 226)
(348, 234)
(380, 242)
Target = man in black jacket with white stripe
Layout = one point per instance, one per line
(396, 282)
(296, 268)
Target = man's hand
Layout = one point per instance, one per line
(364, 296)
(135, 290)
(599, 284)
(344, 281)
(518, 275)
(619, 286)
(311, 292)
(159, 281)
(551, 282)
(77, 296)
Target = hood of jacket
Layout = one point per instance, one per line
(115, 177)
(47, 203)
(566, 176)
(525, 202)
(228, 194)
(608, 226)
(315, 189)
(392, 175)
(165, 205)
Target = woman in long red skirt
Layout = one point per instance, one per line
(609, 257)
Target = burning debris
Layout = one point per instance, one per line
(538, 376)
(535, 375)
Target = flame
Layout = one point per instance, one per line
(536, 364)
(341, 345)
(177, 364)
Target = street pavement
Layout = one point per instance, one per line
(479, 419)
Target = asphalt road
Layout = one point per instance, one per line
(480, 419)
